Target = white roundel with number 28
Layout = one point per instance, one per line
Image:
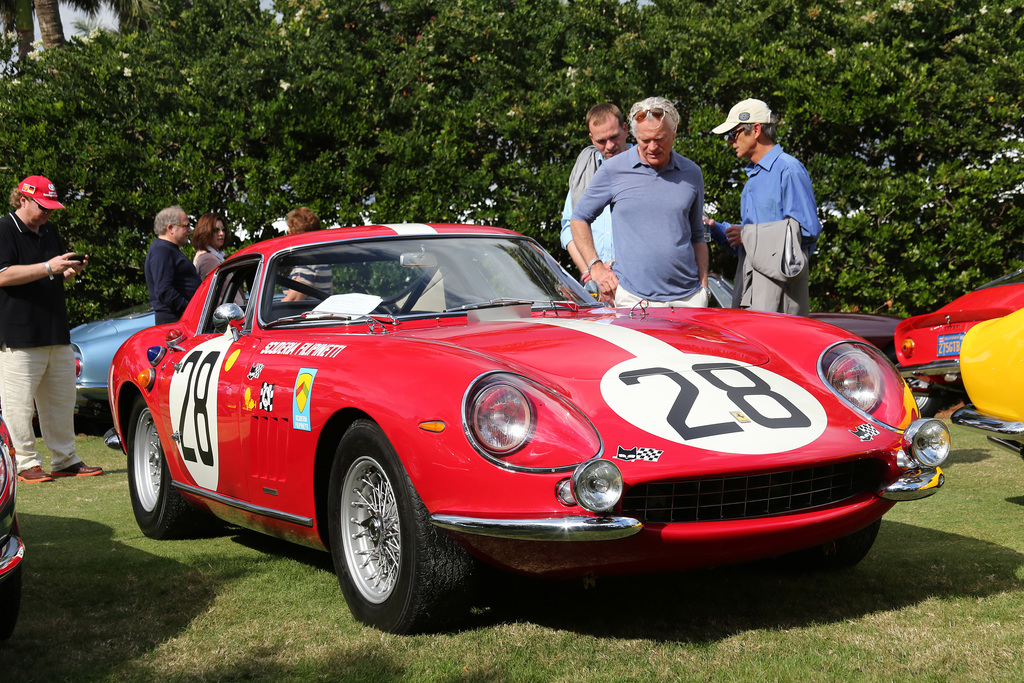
(193, 404)
(714, 403)
(703, 401)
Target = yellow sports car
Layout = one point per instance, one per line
(992, 366)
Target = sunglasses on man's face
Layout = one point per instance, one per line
(642, 115)
(733, 134)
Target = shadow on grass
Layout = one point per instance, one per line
(90, 603)
(966, 456)
(907, 565)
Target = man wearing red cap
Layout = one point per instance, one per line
(35, 340)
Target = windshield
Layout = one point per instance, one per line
(412, 276)
(1015, 278)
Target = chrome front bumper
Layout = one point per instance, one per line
(11, 555)
(1007, 433)
(553, 529)
(914, 484)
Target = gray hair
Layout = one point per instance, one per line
(166, 218)
(769, 130)
(654, 104)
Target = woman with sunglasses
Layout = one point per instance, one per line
(208, 239)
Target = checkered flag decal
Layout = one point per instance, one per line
(267, 397)
(630, 454)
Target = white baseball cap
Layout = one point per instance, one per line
(747, 111)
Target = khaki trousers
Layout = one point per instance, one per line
(625, 299)
(47, 375)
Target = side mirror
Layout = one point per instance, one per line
(226, 313)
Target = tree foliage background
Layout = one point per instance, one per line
(908, 115)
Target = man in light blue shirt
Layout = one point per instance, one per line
(657, 198)
(607, 128)
(778, 186)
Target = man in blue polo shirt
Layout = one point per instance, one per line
(657, 197)
(778, 187)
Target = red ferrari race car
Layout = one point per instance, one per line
(928, 346)
(416, 399)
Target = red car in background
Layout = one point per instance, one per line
(12, 550)
(928, 346)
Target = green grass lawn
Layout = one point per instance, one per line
(940, 597)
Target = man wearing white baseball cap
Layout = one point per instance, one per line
(778, 188)
(35, 339)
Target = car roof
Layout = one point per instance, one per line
(361, 232)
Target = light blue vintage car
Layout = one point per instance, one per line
(94, 345)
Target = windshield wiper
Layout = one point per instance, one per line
(503, 301)
(309, 315)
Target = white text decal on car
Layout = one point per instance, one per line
(704, 401)
(193, 398)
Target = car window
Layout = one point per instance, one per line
(232, 284)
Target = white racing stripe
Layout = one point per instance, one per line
(410, 229)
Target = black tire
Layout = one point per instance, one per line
(838, 554)
(10, 602)
(160, 511)
(928, 405)
(399, 573)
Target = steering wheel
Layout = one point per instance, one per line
(412, 292)
(303, 288)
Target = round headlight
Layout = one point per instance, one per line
(597, 485)
(857, 377)
(928, 441)
(502, 418)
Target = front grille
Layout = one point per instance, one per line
(748, 496)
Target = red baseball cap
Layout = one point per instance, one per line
(41, 190)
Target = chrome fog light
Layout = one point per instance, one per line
(563, 491)
(597, 485)
(928, 441)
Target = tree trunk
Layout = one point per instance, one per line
(50, 26)
(23, 24)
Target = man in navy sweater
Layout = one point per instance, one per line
(170, 276)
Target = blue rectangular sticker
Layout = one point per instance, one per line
(949, 345)
(302, 397)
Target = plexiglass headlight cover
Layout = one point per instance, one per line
(865, 379)
(520, 424)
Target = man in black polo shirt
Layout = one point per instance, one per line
(35, 340)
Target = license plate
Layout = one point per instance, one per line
(949, 345)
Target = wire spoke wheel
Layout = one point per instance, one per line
(149, 461)
(372, 530)
(399, 572)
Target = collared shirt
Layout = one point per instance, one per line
(657, 220)
(777, 186)
(32, 314)
(601, 227)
